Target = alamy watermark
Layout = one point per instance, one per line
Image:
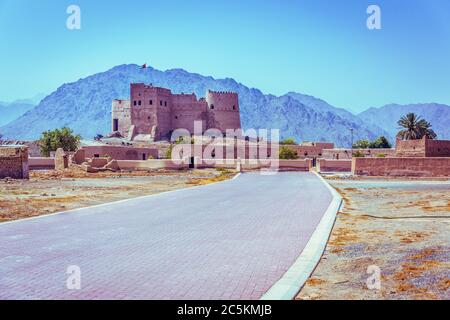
(373, 282)
(374, 19)
(73, 281)
(73, 21)
(254, 147)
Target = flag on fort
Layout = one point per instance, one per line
(144, 66)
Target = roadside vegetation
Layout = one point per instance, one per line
(63, 138)
(379, 143)
(287, 153)
(288, 141)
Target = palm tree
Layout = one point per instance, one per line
(413, 127)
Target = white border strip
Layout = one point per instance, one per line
(116, 202)
(293, 280)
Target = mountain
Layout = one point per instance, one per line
(85, 106)
(387, 116)
(10, 111)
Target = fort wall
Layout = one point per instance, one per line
(340, 154)
(326, 165)
(407, 166)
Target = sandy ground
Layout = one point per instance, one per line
(402, 227)
(51, 191)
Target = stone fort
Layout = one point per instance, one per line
(152, 113)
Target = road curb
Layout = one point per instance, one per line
(294, 279)
(115, 202)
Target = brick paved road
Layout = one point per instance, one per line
(230, 240)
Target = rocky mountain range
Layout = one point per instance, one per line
(85, 106)
(10, 111)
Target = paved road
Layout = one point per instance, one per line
(231, 240)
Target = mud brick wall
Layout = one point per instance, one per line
(326, 165)
(14, 162)
(412, 167)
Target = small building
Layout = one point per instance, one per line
(422, 148)
(14, 161)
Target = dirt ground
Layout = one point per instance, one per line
(400, 226)
(52, 191)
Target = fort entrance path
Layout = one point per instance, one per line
(229, 240)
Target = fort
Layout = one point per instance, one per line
(152, 113)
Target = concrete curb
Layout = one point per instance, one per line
(115, 202)
(294, 279)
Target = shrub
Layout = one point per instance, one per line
(380, 143)
(381, 155)
(358, 154)
(287, 154)
(168, 154)
(59, 138)
(288, 141)
(361, 144)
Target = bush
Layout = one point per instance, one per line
(287, 154)
(381, 143)
(59, 138)
(381, 155)
(361, 144)
(168, 154)
(358, 154)
(288, 141)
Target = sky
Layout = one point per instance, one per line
(317, 47)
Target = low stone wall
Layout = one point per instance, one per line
(14, 162)
(298, 165)
(41, 163)
(325, 165)
(149, 164)
(413, 167)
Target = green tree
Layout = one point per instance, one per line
(286, 153)
(412, 127)
(380, 143)
(59, 138)
(288, 141)
(361, 144)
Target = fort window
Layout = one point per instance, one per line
(148, 118)
(165, 103)
(134, 102)
(151, 102)
(115, 124)
(144, 156)
(212, 107)
(96, 156)
(160, 102)
(234, 107)
(176, 117)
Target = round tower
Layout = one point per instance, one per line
(223, 110)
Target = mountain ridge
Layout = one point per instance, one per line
(85, 106)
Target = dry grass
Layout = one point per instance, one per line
(411, 253)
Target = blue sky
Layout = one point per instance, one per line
(317, 47)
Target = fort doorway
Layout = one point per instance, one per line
(115, 124)
(314, 162)
(191, 163)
